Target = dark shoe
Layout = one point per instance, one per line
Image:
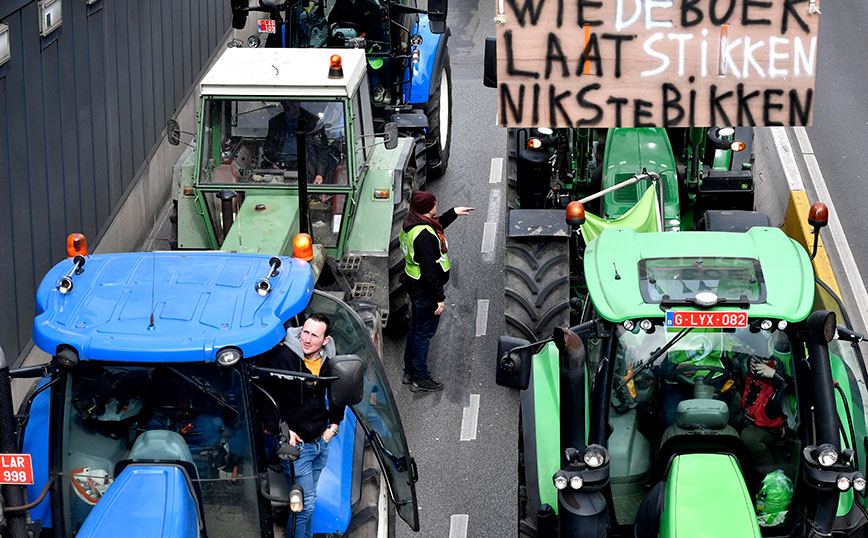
(407, 379)
(426, 384)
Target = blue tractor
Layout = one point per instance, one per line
(408, 59)
(143, 423)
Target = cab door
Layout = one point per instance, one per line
(377, 412)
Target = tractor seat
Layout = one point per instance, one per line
(700, 416)
(160, 446)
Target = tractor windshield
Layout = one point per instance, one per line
(257, 142)
(729, 390)
(194, 415)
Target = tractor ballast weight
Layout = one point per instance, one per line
(147, 419)
(406, 45)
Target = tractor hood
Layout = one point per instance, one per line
(146, 501)
(706, 497)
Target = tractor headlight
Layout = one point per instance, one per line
(859, 482)
(594, 456)
(782, 325)
(766, 324)
(560, 480)
(296, 498)
(827, 455)
(629, 325)
(228, 356)
(576, 482)
(843, 482)
(645, 325)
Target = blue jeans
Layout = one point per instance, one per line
(423, 325)
(308, 467)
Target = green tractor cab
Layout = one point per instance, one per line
(286, 145)
(706, 367)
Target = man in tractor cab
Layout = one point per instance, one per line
(698, 349)
(280, 149)
(302, 405)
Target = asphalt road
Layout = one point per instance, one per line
(840, 129)
(475, 478)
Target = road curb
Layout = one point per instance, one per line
(780, 173)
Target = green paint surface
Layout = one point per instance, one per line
(612, 269)
(546, 402)
(266, 231)
(706, 497)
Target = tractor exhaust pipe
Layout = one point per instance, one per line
(12, 495)
(820, 331)
(227, 197)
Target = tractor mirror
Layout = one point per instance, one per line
(239, 14)
(437, 15)
(391, 132)
(513, 365)
(489, 72)
(173, 132)
(349, 386)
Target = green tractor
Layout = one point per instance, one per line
(611, 171)
(714, 387)
(286, 145)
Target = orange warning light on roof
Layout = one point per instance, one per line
(575, 214)
(302, 247)
(76, 245)
(336, 69)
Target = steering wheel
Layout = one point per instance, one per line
(681, 377)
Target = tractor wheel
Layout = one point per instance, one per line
(370, 313)
(399, 301)
(373, 505)
(439, 113)
(536, 287)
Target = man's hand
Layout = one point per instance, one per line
(762, 369)
(317, 180)
(440, 307)
(294, 439)
(328, 434)
(462, 210)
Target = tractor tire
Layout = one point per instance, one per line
(536, 287)
(399, 301)
(374, 503)
(439, 113)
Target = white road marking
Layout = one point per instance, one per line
(496, 173)
(804, 141)
(493, 212)
(458, 526)
(489, 233)
(840, 239)
(788, 160)
(481, 316)
(470, 419)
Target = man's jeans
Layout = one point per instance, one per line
(308, 467)
(423, 325)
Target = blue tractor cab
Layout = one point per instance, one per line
(144, 421)
(408, 60)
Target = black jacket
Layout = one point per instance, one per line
(426, 250)
(302, 404)
(317, 145)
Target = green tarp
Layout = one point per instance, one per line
(642, 218)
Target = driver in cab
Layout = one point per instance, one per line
(281, 144)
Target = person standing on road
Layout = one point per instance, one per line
(426, 271)
(302, 405)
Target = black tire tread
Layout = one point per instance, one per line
(438, 159)
(365, 517)
(536, 287)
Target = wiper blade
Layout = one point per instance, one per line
(654, 356)
(199, 385)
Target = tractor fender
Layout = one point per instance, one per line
(432, 51)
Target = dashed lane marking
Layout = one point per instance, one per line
(481, 316)
(470, 419)
(496, 173)
(458, 526)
